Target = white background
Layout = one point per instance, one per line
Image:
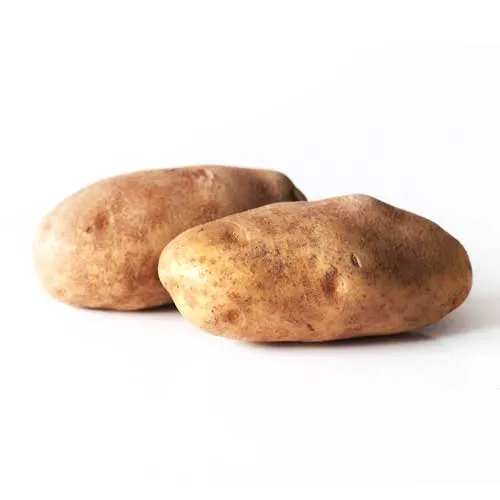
(397, 99)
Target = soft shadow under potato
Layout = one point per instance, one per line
(479, 312)
(170, 308)
(397, 338)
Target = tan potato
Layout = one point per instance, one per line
(313, 271)
(100, 247)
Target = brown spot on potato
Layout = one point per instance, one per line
(313, 258)
(225, 233)
(199, 172)
(329, 282)
(276, 270)
(232, 316)
(229, 236)
(99, 224)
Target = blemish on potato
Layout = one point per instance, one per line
(276, 269)
(329, 282)
(99, 224)
(199, 172)
(355, 260)
(229, 236)
(232, 316)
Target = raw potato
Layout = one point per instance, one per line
(313, 271)
(100, 247)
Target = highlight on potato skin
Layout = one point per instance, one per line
(343, 267)
(100, 247)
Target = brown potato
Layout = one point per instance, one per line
(313, 271)
(100, 247)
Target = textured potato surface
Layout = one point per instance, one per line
(100, 247)
(314, 271)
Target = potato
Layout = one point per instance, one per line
(314, 271)
(100, 247)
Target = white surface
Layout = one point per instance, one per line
(399, 100)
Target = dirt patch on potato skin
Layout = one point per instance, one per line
(100, 247)
(337, 268)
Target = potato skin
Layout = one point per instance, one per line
(100, 247)
(314, 271)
